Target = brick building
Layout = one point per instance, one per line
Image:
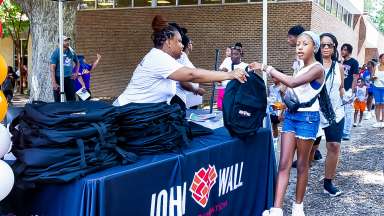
(122, 35)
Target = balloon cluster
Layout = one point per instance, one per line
(6, 174)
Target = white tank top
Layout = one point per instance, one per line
(333, 84)
(379, 82)
(305, 92)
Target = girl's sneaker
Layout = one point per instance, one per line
(273, 212)
(298, 209)
(376, 125)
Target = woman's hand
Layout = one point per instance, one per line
(239, 74)
(255, 66)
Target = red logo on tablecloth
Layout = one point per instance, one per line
(202, 183)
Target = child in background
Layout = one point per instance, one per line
(360, 100)
(275, 108)
(84, 76)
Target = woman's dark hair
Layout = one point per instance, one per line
(185, 41)
(296, 30)
(335, 54)
(10, 70)
(348, 46)
(162, 31)
(381, 55)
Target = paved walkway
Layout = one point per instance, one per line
(359, 176)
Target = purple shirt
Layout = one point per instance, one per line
(84, 72)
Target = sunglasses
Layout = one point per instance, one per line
(329, 45)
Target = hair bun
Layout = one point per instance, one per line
(159, 23)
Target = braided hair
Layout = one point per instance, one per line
(162, 31)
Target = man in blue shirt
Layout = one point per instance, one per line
(69, 61)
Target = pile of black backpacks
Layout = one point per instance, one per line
(59, 142)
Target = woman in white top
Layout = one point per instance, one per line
(335, 89)
(300, 127)
(154, 79)
(378, 92)
(186, 90)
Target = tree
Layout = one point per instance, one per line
(15, 24)
(375, 10)
(43, 17)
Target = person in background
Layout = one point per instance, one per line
(276, 108)
(84, 75)
(183, 88)
(8, 85)
(378, 92)
(154, 79)
(334, 84)
(300, 127)
(70, 60)
(360, 101)
(293, 33)
(351, 74)
(233, 63)
(367, 77)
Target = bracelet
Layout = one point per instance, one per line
(269, 69)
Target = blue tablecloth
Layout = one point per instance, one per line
(238, 177)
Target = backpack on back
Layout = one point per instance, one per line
(244, 106)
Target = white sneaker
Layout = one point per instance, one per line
(376, 125)
(354, 124)
(265, 213)
(381, 124)
(298, 209)
(276, 212)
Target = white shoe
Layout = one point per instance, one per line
(354, 124)
(298, 209)
(376, 125)
(381, 124)
(276, 212)
(265, 213)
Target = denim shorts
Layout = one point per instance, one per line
(378, 94)
(304, 124)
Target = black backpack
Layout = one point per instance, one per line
(244, 106)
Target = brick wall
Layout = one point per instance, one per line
(122, 36)
(322, 21)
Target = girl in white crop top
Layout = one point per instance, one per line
(299, 128)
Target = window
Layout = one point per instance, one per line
(210, 1)
(166, 2)
(339, 12)
(142, 3)
(123, 3)
(105, 4)
(88, 4)
(235, 1)
(187, 2)
(345, 16)
(328, 5)
(334, 8)
(350, 20)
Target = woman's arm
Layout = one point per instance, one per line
(314, 73)
(197, 75)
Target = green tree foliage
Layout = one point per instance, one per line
(375, 10)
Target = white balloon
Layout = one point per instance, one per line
(6, 179)
(5, 141)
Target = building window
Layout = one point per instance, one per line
(339, 12)
(210, 1)
(345, 16)
(334, 8)
(328, 5)
(235, 1)
(166, 2)
(188, 2)
(88, 4)
(123, 3)
(350, 20)
(142, 3)
(105, 3)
